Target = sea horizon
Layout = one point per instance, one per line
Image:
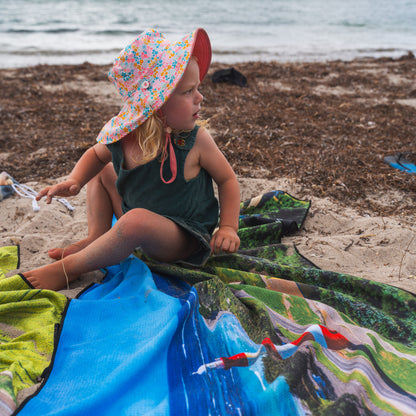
(78, 31)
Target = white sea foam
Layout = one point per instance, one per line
(75, 31)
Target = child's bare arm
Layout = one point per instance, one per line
(90, 163)
(226, 238)
(212, 160)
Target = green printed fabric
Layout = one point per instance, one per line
(276, 293)
(28, 322)
(9, 259)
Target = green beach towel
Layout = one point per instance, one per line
(28, 320)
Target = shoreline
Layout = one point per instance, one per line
(221, 59)
(317, 130)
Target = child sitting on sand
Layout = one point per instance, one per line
(154, 137)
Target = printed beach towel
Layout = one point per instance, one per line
(259, 332)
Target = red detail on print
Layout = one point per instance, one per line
(271, 349)
(238, 360)
(334, 339)
(306, 336)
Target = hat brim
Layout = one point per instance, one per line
(202, 51)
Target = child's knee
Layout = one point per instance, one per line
(137, 221)
(108, 174)
(103, 176)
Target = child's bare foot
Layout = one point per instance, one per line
(60, 253)
(52, 276)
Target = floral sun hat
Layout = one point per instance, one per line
(145, 74)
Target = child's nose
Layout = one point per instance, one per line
(199, 97)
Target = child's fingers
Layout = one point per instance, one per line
(49, 192)
(216, 242)
(61, 189)
(223, 243)
(231, 247)
(42, 193)
(236, 243)
(49, 196)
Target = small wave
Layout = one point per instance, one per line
(60, 53)
(51, 31)
(246, 51)
(346, 23)
(118, 32)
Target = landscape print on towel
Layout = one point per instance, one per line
(262, 331)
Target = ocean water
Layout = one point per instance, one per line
(75, 31)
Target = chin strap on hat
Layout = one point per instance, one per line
(172, 157)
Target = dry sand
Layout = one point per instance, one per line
(376, 248)
(336, 236)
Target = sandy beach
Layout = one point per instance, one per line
(318, 131)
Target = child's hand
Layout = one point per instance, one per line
(225, 240)
(70, 187)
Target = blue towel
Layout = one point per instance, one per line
(111, 357)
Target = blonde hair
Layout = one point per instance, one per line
(150, 134)
(149, 137)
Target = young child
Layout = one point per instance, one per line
(152, 167)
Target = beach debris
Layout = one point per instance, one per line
(5, 179)
(6, 188)
(27, 192)
(402, 161)
(230, 76)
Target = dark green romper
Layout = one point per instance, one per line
(191, 204)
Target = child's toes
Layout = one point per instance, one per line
(55, 253)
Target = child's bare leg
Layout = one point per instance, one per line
(102, 201)
(158, 237)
